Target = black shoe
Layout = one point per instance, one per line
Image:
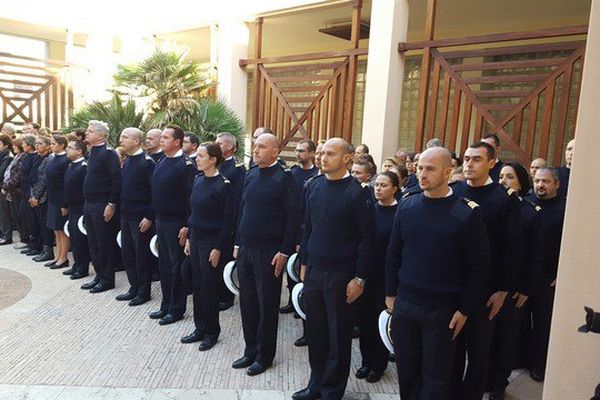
(4, 241)
(33, 252)
(537, 375)
(125, 297)
(89, 285)
(374, 376)
(257, 368)
(192, 337)
(497, 394)
(362, 372)
(21, 246)
(207, 344)
(138, 301)
(157, 314)
(287, 308)
(44, 256)
(68, 271)
(243, 362)
(50, 263)
(99, 288)
(225, 305)
(25, 250)
(64, 264)
(169, 319)
(301, 342)
(306, 394)
(78, 275)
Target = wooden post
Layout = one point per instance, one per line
(256, 78)
(425, 67)
(352, 71)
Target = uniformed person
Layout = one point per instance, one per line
(304, 170)
(191, 141)
(504, 348)
(136, 217)
(171, 187)
(335, 253)
(493, 140)
(374, 353)
(102, 191)
(436, 270)
(235, 172)
(546, 187)
(564, 172)
(152, 147)
(501, 214)
(269, 217)
(72, 205)
(211, 229)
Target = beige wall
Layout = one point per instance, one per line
(574, 358)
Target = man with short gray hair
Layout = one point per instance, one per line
(101, 189)
(153, 148)
(9, 129)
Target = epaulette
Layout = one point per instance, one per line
(240, 164)
(364, 184)
(225, 180)
(470, 203)
(511, 191)
(532, 204)
(84, 163)
(408, 194)
(188, 162)
(149, 158)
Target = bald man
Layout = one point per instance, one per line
(269, 217)
(136, 217)
(257, 132)
(153, 148)
(564, 172)
(535, 165)
(437, 264)
(336, 247)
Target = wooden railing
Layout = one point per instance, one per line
(527, 94)
(34, 90)
(306, 96)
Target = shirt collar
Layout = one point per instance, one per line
(80, 159)
(178, 154)
(450, 192)
(347, 174)
(276, 161)
(99, 144)
(193, 155)
(229, 158)
(138, 152)
(62, 153)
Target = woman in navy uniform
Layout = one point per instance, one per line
(372, 302)
(55, 177)
(211, 227)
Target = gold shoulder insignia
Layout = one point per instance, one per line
(405, 195)
(364, 184)
(240, 164)
(189, 162)
(287, 169)
(510, 191)
(538, 208)
(470, 203)
(226, 180)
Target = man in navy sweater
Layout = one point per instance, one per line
(235, 172)
(546, 186)
(564, 172)
(101, 189)
(136, 217)
(73, 205)
(336, 247)
(172, 182)
(191, 141)
(493, 140)
(437, 268)
(501, 214)
(152, 147)
(269, 216)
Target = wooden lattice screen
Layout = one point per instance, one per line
(527, 94)
(34, 90)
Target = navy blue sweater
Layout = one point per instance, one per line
(531, 247)
(301, 174)
(73, 190)
(103, 180)
(338, 226)
(172, 182)
(136, 188)
(55, 178)
(438, 254)
(552, 220)
(212, 217)
(269, 213)
(26, 167)
(235, 172)
(564, 173)
(501, 214)
(384, 221)
(156, 157)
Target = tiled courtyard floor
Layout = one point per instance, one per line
(60, 342)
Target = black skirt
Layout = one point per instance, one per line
(56, 221)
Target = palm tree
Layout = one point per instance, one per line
(168, 79)
(117, 114)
